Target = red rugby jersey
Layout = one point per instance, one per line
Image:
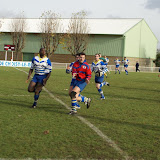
(83, 71)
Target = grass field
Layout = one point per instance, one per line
(129, 116)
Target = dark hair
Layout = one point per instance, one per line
(124, 57)
(97, 54)
(77, 55)
(41, 49)
(82, 53)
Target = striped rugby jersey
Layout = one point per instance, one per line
(117, 61)
(99, 65)
(41, 66)
(125, 62)
(107, 60)
(83, 71)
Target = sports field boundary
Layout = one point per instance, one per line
(89, 124)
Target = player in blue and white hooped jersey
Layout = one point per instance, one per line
(126, 62)
(42, 68)
(107, 60)
(100, 69)
(106, 63)
(117, 63)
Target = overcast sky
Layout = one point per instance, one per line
(147, 9)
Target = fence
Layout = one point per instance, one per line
(112, 67)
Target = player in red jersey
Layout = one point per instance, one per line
(82, 72)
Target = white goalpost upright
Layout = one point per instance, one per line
(8, 47)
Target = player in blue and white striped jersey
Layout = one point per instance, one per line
(100, 69)
(126, 62)
(117, 63)
(42, 68)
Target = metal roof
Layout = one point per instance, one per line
(96, 26)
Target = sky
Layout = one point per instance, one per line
(147, 9)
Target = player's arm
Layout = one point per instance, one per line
(46, 79)
(92, 67)
(74, 70)
(69, 68)
(88, 75)
(29, 75)
(105, 69)
(49, 70)
(30, 71)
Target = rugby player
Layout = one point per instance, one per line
(82, 73)
(42, 68)
(117, 63)
(100, 69)
(126, 62)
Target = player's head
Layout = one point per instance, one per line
(97, 57)
(100, 55)
(77, 57)
(124, 58)
(105, 57)
(42, 52)
(82, 57)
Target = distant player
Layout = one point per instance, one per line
(69, 70)
(100, 69)
(82, 73)
(42, 67)
(117, 63)
(106, 63)
(104, 60)
(107, 60)
(126, 62)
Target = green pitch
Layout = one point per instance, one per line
(129, 116)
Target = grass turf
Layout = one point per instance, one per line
(129, 116)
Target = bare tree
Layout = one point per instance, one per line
(18, 26)
(50, 28)
(77, 36)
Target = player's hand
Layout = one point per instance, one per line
(27, 80)
(44, 81)
(74, 75)
(68, 67)
(87, 81)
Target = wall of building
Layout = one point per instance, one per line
(140, 42)
(105, 44)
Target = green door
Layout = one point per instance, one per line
(28, 56)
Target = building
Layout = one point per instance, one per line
(131, 38)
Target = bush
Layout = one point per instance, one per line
(157, 60)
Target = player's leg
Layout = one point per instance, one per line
(100, 90)
(31, 86)
(70, 90)
(74, 94)
(118, 70)
(38, 89)
(37, 93)
(126, 70)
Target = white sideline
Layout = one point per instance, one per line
(94, 128)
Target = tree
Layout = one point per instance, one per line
(157, 60)
(50, 28)
(76, 38)
(18, 34)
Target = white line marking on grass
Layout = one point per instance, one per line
(94, 128)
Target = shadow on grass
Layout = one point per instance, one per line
(131, 88)
(55, 107)
(143, 126)
(133, 98)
